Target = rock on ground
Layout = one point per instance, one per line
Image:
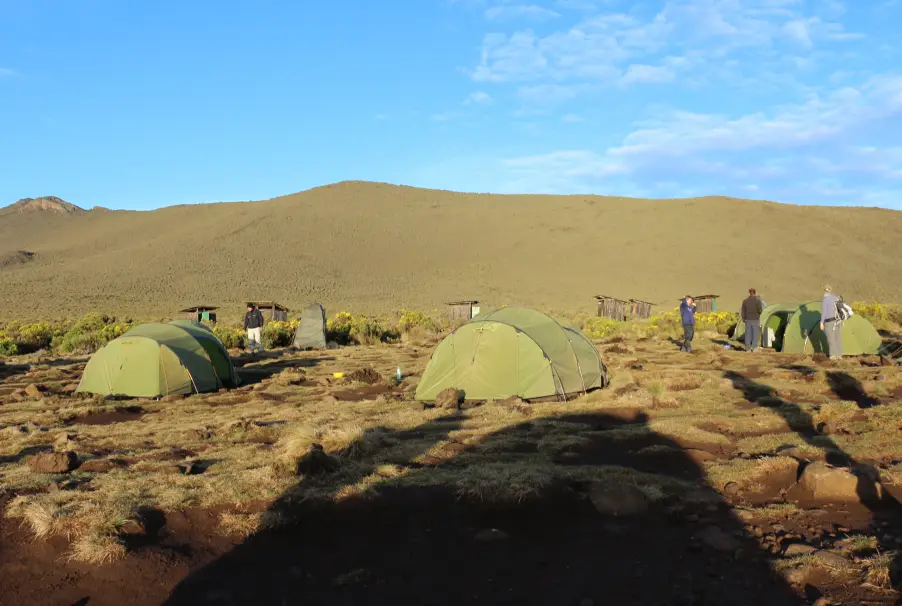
(32, 391)
(365, 375)
(449, 398)
(714, 537)
(826, 483)
(316, 461)
(798, 549)
(52, 462)
(618, 499)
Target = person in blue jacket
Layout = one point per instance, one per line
(687, 316)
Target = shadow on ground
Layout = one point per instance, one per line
(590, 536)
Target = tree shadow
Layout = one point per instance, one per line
(803, 425)
(847, 387)
(555, 510)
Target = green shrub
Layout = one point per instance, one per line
(89, 334)
(345, 329)
(232, 338)
(601, 328)
(276, 334)
(411, 320)
(8, 347)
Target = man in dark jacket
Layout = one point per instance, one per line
(751, 315)
(687, 317)
(253, 324)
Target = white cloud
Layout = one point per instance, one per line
(512, 11)
(602, 44)
(638, 74)
(572, 118)
(478, 98)
(5, 71)
(547, 94)
(381, 117)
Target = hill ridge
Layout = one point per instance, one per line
(42, 204)
(372, 247)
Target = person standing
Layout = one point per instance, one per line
(253, 324)
(687, 317)
(751, 316)
(831, 324)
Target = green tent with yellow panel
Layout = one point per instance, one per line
(513, 351)
(153, 360)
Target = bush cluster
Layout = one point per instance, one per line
(346, 328)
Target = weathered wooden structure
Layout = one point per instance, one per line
(610, 307)
(462, 310)
(200, 313)
(640, 309)
(705, 303)
(272, 311)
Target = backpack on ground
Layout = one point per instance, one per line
(843, 311)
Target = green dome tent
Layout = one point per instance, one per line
(796, 328)
(804, 334)
(513, 351)
(217, 352)
(157, 359)
(774, 319)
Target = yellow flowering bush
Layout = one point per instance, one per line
(277, 334)
(411, 320)
(231, 337)
(346, 328)
(601, 328)
(871, 311)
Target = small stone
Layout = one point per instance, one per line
(798, 549)
(821, 601)
(52, 462)
(173, 398)
(714, 537)
(833, 484)
(316, 461)
(832, 560)
(96, 466)
(449, 398)
(731, 488)
(796, 576)
(32, 391)
(491, 534)
(618, 499)
(758, 532)
(778, 528)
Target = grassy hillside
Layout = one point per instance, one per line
(378, 247)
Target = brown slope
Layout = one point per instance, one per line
(378, 247)
(44, 204)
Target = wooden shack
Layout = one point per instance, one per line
(640, 309)
(705, 303)
(609, 307)
(462, 310)
(272, 311)
(200, 313)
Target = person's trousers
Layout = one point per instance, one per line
(752, 335)
(833, 329)
(688, 335)
(254, 339)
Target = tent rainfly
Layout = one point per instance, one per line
(153, 360)
(311, 332)
(796, 328)
(513, 351)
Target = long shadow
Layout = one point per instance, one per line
(559, 510)
(847, 387)
(803, 424)
(257, 370)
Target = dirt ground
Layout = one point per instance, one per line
(683, 483)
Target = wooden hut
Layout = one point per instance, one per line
(272, 311)
(200, 313)
(705, 303)
(462, 310)
(640, 309)
(609, 307)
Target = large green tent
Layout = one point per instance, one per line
(513, 351)
(217, 352)
(774, 319)
(154, 360)
(804, 334)
(795, 328)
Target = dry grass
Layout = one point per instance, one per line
(878, 569)
(247, 444)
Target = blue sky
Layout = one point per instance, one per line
(146, 104)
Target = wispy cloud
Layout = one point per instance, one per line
(478, 98)
(639, 74)
(572, 118)
(6, 72)
(513, 11)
